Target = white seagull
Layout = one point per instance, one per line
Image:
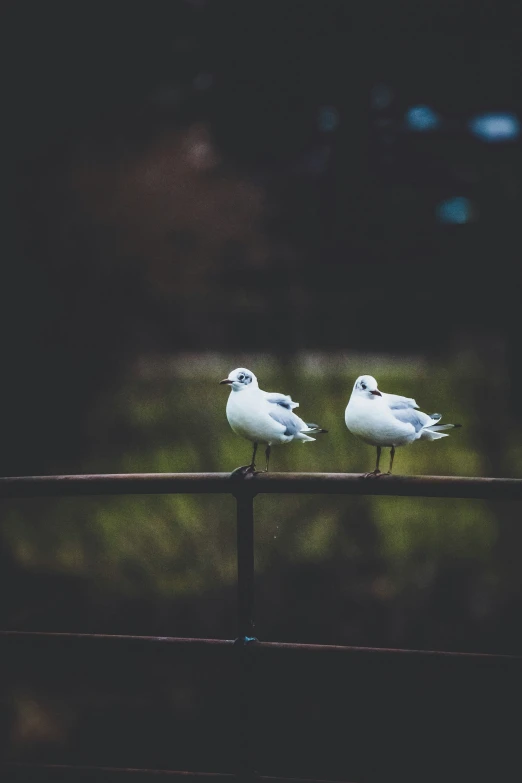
(388, 420)
(263, 417)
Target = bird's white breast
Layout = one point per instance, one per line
(248, 416)
(373, 422)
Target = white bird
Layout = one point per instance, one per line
(388, 420)
(263, 417)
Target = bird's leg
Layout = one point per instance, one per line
(375, 472)
(267, 455)
(392, 455)
(244, 470)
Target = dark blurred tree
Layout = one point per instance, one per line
(197, 175)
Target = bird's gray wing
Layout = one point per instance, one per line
(284, 400)
(411, 416)
(396, 402)
(283, 416)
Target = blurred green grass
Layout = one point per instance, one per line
(170, 417)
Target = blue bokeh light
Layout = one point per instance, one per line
(328, 118)
(457, 209)
(422, 118)
(495, 126)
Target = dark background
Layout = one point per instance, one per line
(344, 222)
(188, 179)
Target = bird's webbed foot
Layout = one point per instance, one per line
(373, 474)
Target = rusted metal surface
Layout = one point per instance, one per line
(129, 638)
(262, 483)
(49, 637)
(389, 651)
(116, 484)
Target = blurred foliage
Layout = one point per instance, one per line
(163, 199)
(168, 415)
(201, 176)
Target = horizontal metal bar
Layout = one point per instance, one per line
(324, 648)
(114, 771)
(116, 637)
(262, 483)
(386, 651)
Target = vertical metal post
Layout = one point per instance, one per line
(245, 565)
(245, 617)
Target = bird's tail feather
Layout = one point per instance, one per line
(315, 428)
(435, 431)
(441, 427)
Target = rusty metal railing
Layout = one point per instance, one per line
(261, 484)
(244, 491)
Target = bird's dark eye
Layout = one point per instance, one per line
(363, 386)
(241, 377)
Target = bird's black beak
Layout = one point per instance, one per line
(376, 392)
(226, 380)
